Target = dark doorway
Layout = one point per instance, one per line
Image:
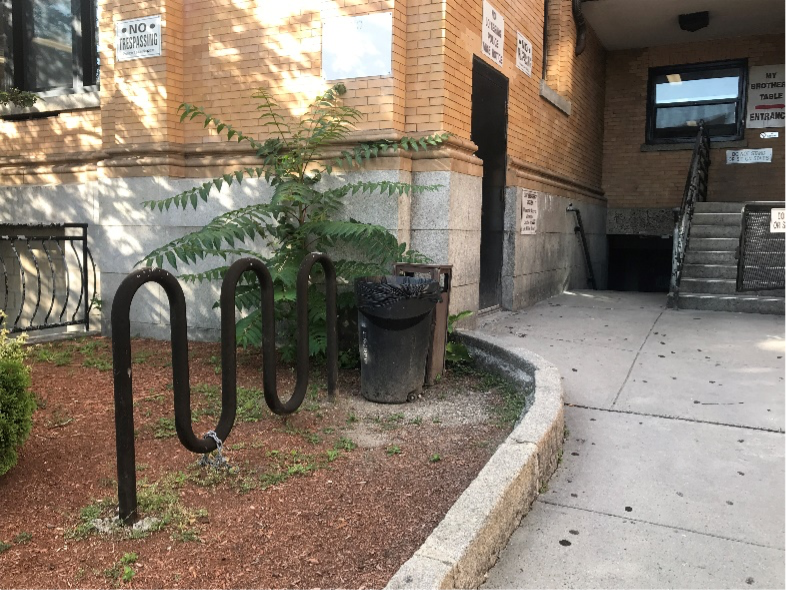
(489, 102)
(639, 263)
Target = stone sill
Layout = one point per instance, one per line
(54, 104)
(552, 97)
(691, 145)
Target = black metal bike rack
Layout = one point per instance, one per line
(121, 359)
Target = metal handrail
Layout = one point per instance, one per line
(586, 254)
(695, 190)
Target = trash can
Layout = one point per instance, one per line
(436, 354)
(394, 331)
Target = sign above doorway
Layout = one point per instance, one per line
(492, 33)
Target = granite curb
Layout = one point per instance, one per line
(466, 543)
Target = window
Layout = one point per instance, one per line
(680, 97)
(49, 46)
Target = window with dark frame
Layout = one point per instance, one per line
(49, 46)
(680, 97)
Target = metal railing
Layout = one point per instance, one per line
(695, 190)
(46, 272)
(121, 359)
(584, 245)
(761, 252)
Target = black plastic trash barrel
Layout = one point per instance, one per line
(394, 322)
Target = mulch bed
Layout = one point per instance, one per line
(338, 495)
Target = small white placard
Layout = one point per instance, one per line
(769, 135)
(138, 38)
(778, 220)
(492, 33)
(525, 54)
(766, 96)
(357, 46)
(749, 155)
(529, 212)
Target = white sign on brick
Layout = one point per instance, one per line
(778, 220)
(525, 54)
(766, 96)
(492, 33)
(529, 212)
(138, 38)
(749, 155)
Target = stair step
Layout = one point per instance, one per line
(707, 286)
(697, 243)
(717, 272)
(710, 257)
(715, 218)
(714, 231)
(732, 303)
(719, 207)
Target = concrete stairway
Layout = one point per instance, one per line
(708, 280)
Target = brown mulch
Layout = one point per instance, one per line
(335, 496)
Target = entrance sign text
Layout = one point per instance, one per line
(492, 33)
(778, 220)
(529, 212)
(525, 54)
(749, 156)
(138, 38)
(766, 96)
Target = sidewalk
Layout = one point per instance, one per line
(673, 472)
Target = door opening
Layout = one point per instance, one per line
(489, 104)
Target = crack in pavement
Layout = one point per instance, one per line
(637, 355)
(678, 418)
(681, 528)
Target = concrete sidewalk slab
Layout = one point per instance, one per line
(622, 329)
(694, 388)
(722, 337)
(593, 379)
(680, 474)
(609, 300)
(615, 553)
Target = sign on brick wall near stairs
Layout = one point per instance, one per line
(766, 96)
(138, 38)
(492, 33)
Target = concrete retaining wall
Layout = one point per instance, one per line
(537, 266)
(465, 545)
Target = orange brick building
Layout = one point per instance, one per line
(569, 131)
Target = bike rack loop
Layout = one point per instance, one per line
(121, 357)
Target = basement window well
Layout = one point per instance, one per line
(680, 97)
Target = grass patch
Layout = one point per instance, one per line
(59, 355)
(159, 507)
(4, 547)
(122, 569)
(23, 538)
(164, 428)
(393, 449)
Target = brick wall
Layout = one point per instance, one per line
(539, 133)
(636, 179)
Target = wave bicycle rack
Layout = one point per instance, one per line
(121, 359)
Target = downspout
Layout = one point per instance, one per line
(580, 24)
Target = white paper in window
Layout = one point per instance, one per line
(357, 46)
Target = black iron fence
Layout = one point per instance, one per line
(46, 271)
(761, 249)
